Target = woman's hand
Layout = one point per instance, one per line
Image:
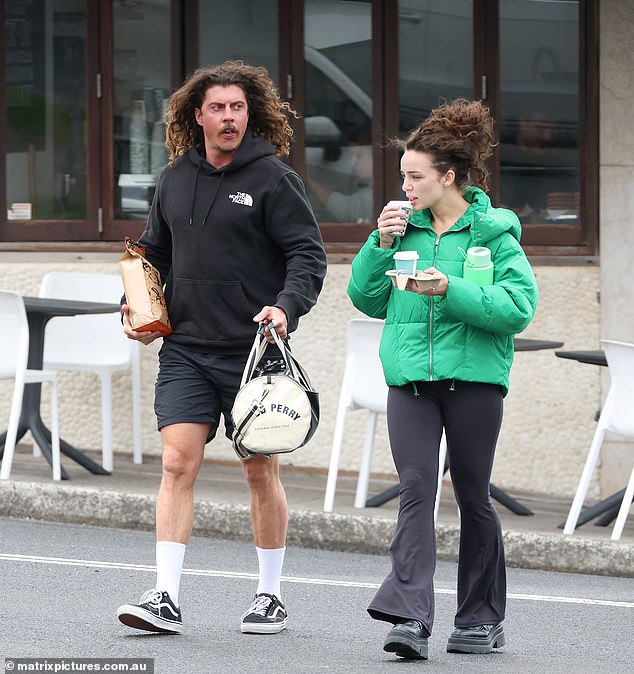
(391, 223)
(439, 288)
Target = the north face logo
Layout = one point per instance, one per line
(242, 198)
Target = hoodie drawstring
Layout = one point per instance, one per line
(191, 213)
(213, 199)
(222, 175)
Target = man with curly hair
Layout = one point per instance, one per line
(236, 242)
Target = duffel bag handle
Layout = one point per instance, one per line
(259, 347)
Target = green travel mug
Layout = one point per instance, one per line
(477, 266)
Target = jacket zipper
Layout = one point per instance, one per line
(431, 314)
(431, 302)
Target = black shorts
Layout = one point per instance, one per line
(194, 387)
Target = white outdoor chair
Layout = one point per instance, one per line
(617, 416)
(94, 343)
(364, 386)
(14, 354)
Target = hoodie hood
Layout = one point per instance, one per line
(485, 221)
(251, 149)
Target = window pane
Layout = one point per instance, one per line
(338, 110)
(46, 109)
(539, 110)
(141, 89)
(435, 56)
(242, 29)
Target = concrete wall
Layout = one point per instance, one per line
(549, 413)
(616, 203)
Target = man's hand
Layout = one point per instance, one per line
(277, 317)
(143, 337)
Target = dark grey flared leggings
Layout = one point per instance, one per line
(471, 414)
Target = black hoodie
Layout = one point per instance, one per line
(230, 241)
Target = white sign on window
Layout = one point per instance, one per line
(19, 211)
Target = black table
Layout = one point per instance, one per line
(524, 344)
(39, 311)
(521, 344)
(591, 357)
(609, 507)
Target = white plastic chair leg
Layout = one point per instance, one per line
(626, 503)
(12, 430)
(136, 406)
(442, 453)
(106, 421)
(55, 451)
(366, 458)
(584, 482)
(335, 454)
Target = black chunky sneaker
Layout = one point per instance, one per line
(155, 612)
(408, 639)
(266, 615)
(478, 639)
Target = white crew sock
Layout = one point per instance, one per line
(169, 566)
(270, 562)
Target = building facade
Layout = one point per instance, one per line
(85, 87)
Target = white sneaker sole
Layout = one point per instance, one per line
(263, 628)
(134, 616)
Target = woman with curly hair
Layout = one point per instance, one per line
(446, 352)
(234, 237)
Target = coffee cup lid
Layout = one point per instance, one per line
(406, 255)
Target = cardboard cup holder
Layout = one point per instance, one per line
(423, 281)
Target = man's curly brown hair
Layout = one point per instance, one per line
(268, 114)
(459, 136)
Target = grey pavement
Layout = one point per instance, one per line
(126, 499)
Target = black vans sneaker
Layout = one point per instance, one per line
(266, 615)
(155, 612)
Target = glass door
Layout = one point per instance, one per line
(141, 85)
(539, 127)
(338, 109)
(435, 57)
(47, 169)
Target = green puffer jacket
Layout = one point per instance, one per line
(466, 334)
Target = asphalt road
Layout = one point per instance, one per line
(61, 586)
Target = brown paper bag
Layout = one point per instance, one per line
(143, 290)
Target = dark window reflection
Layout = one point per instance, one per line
(539, 110)
(44, 45)
(338, 117)
(141, 92)
(435, 57)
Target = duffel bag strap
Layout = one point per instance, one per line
(256, 409)
(255, 355)
(295, 370)
(289, 359)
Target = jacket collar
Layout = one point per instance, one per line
(485, 221)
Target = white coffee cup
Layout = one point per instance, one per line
(406, 207)
(405, 262)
